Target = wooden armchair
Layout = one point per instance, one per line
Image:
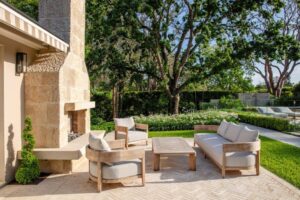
(126, 128)
(116, 165)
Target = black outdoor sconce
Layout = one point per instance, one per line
(21, 63)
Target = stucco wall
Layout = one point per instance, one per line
(13, 100)
(1, 115)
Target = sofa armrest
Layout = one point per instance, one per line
(114, 156)
(116, 144)
(241, 147)
(144, 127)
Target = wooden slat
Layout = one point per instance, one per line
(241, 147)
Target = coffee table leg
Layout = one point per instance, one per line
(156, 162)
(192, 162)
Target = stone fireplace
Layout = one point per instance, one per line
(57, 87)
(77, 113)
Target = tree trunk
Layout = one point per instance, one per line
(174, 104)
(115, 101)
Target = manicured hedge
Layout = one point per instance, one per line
(279, 124)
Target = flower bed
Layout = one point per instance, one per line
(186, 121)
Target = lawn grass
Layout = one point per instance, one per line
(279, 158)
(181, 133)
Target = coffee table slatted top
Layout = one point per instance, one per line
(171, 145)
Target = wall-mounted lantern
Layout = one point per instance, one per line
(21, 63)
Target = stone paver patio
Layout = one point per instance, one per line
(174, 181)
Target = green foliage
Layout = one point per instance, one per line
(281, 159)
(180, 133)
(29, 169)
(107, 126)
(149, 103)
(230, 103)
(29, 7)
(235, 80)
(296, 91)
(264, 121)
(185, 121)
(191, 42)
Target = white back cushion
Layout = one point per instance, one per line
(248, 135)
(127, 122)
(222, 128)
(97, 142)
(232, 132)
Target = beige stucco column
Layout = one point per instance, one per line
(1, 115)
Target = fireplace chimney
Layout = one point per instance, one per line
(65, 19)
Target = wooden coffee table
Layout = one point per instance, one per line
(172, 146)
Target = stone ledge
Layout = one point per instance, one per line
(72, 151)
(79, 106)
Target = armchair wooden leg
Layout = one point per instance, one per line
(147, 142)
(143, 171)
(224, 165)
(257, 161)
(223, 172)
(126, 141)
(99, 177)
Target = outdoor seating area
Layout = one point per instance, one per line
(173, 181)
(154, 100)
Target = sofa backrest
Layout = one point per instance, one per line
(248, 135)
(232, 132)
(223, 128)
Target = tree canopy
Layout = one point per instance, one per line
(170, 38)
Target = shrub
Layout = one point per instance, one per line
(107, 126)
(29, 168)
(185, 121)
(230, 103)
(279, 124)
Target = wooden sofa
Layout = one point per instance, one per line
(234, 147)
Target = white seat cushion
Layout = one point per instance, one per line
(126, 122)
(222, 128)
(97, 142)
(118, 170)
(247, 135)
(212, 144)
(232, 132)
(133, 136)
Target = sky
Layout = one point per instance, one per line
(295, 78)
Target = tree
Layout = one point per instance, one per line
(29, 169)
(276, 43)
(175, 33)
(29, 7)
(234, 80)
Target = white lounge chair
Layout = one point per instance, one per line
(287, 111)
(270, 111)
(126, 128)
(109, 162)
